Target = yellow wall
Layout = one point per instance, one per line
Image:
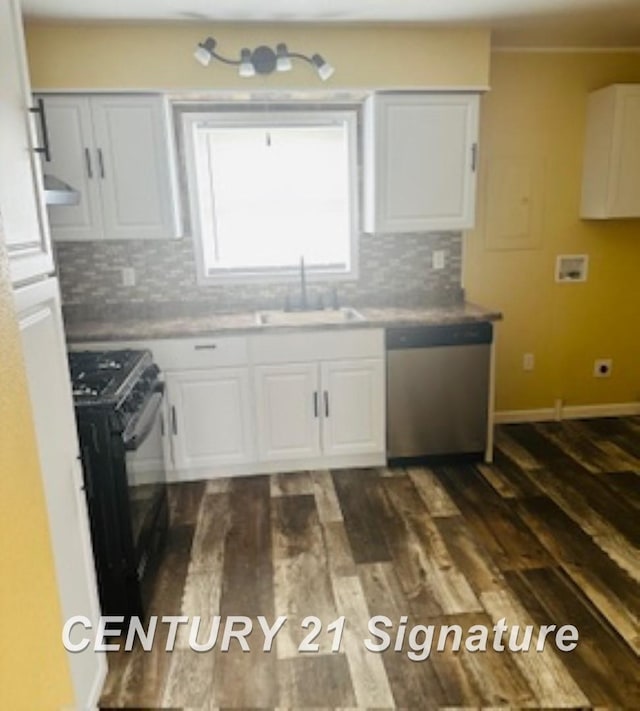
(533, 126)
(161, 55)
(33, 668)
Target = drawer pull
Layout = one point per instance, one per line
(326, 404)
(315, 404)
(206, 347)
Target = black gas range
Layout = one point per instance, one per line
(118, 397)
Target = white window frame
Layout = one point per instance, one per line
(281, 117)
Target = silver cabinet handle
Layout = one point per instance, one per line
(87, 157)
(101, 162)
(174, 420)
(326, 403)
(205, 347)
(315, 403)
(46, 148)
(474, 157)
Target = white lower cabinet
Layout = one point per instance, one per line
(210, 417)
(310, 410)
(271, 402)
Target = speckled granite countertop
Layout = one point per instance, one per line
(246, 323)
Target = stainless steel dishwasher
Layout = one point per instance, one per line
(437, 389)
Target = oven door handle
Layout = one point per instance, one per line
(134, 437)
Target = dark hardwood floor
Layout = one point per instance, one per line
(548, 534)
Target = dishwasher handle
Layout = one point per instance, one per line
(461, 334)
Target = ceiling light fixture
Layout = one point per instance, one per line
(262, 60)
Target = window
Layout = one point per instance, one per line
(269, 188)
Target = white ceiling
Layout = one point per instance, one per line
(590, 23)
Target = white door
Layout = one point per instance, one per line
(74, 160)
(45, 357)
(21, 204)
(353, 406)
(288, 411)
(133, 166)
(209, 413)
(425, 161)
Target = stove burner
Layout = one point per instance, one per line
(98, 376)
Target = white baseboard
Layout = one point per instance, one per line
(570, 412)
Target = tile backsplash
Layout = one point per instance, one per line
(394, 270)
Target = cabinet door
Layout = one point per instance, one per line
(133, 165)
(625, 165)
(287, 405)
(42, 336)
(353, 406)
(74, 160)
(210, 417)
(21, 203)
(420, 162)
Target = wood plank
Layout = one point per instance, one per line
(495, 675)
(212, 526)
(493, 520)
(245, 679)
(544, 672)
(291, 484)
(513, 450)
(326, 498)
(247, 586)
(434, 497)
(368, 676)
(608, 587)
(473, 561)
(302, 584)
(511, 477)
(574, 444)
(315, 682)
(339, 557)
(411, 683)
(450, 588)
(184, 501)
(626, 485)
(365, 514)
(604, 667)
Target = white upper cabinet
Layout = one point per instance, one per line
(611, 169)
(115, 150)
(420, 158)
(22, 208)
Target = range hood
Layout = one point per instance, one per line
(57, 192)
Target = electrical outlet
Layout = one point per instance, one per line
(528, 361)
(602, 367)
(438, 259)
(128, 276)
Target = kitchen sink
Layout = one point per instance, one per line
(346, 314)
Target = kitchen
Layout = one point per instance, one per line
(526, 215)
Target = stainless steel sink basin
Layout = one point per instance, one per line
(347, 314)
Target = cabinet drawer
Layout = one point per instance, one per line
(199, 353)
(317, 345)
(184, 353)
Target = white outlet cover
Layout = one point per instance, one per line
(128, 276)
(438, 259)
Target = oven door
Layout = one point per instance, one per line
(146, 477)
